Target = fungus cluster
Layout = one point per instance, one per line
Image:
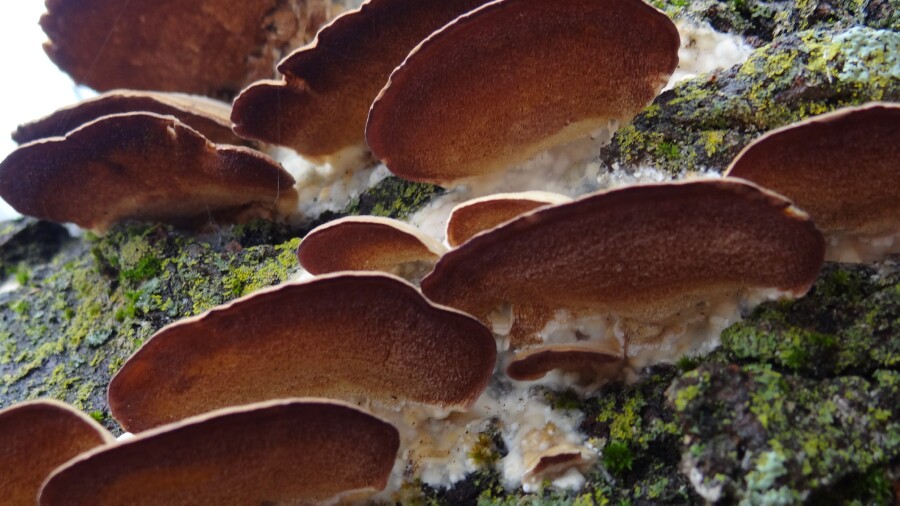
(652, 262)
(319, 108)
(338, 386)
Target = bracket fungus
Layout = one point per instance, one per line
(477, 215)
(208, 116)
(208, 47)
(37, 437)
(320, 106)
(557, 71)
(293, 451)
(142, 166)
(642, 263)
(841, 168)
(353, 336)
(368, 243)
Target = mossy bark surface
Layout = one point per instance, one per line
(801, 403)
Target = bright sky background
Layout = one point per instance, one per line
(32, 86)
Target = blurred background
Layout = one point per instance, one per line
(31, 86)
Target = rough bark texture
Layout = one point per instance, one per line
(800, 404)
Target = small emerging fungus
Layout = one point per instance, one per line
(555, 462)
(368, 244)
(207, 116)
(354, 336)
(588, 362)
(37, 437)
(485, 213)
(296, 451)
(516, 77)
(841, 168)
(648, 266)
(320, 106)
(208, 47)
(145, 167)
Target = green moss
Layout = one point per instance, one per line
(617, 458)
(566, 400)
(484, 452)
(146, 268)
(22, 274)
(21, 306)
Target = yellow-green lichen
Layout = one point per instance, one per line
(702, 123)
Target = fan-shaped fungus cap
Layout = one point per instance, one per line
(208, 47)
(840, 167)
(37, 437)
(516, 77)
(352, 336)
(207, 116)
(320, 106)
(642, 252)
(485, 213)
(296, 451)
(600, 360)
(368, 243)
(146, 167)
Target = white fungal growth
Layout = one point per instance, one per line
(704, 50)
(437, 450)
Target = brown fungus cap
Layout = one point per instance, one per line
(145, 167)
(841, 168)
(366, 243)
(643, 252)
(320, 106)
(592, 362)
(207, 116)
(294, 451)
(477, 215)
(207, 47)
(352, 336)
(516, 77)
(37, 437)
